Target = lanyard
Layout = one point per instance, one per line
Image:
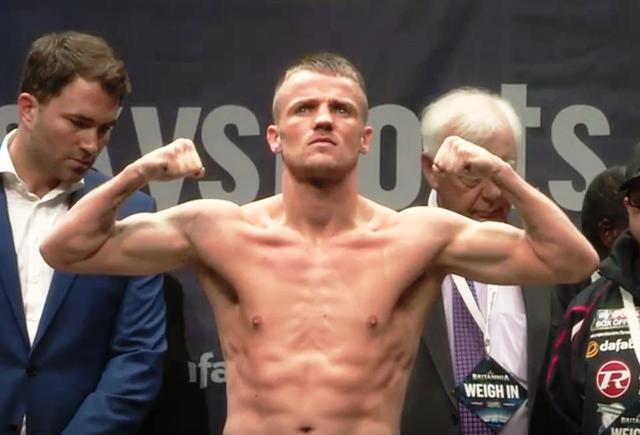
(632, 320)
(471, 304)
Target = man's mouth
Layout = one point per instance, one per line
(323, 139)
(85, 163)
(490, 215)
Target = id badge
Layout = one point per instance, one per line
(491, 393)
(620, 417)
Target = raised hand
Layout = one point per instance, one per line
(176, 160)
(466, 160)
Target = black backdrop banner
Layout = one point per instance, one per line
(205, 69)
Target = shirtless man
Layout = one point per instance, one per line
(319, 294)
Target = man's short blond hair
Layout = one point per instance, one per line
(323, 63)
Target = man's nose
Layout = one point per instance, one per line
(490, 190)
(324, 118)
(90, 141)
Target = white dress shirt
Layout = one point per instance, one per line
(507, 331)
(31, 217)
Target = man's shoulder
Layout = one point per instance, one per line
(598, 295)
(263, 212)
(594, 292)
(423, 211)
(430, 218)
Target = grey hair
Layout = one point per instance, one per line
(473, 114)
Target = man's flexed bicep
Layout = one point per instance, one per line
(549, 249)
(496, 253)
(140, 244)
(144, 243)
(89, 240)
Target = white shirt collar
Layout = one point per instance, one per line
(6, 165)
(432, 201)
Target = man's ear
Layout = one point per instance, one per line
(607, 232)
(273, 139)
(365, 140)
(27, 108)
(427, 170)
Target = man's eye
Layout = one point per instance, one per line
(104, 130)
(79, 123)
(341, 110)
(303, 109)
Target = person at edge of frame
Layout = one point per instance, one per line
(79, 354)
(594, 373)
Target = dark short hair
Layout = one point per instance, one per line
(55, 59)
(323, 63)
(603, 200)
(632, 174)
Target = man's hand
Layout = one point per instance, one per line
(176, 160)
(466, 160)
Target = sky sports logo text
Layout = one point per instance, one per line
(207, 370)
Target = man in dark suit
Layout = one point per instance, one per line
(516, 320)
(78, 354)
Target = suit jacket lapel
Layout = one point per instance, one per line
(9, 276)
(436, 339)
(61, 282)
(537, 300)
(537, 303)
(60, 285)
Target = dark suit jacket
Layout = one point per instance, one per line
(181, 407)
(95, 364)
(430, 406)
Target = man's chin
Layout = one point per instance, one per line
(490, 216)
(326, 170)
(73, 175)
(77, 167)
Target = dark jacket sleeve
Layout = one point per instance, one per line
(133, 372)
(565, 386)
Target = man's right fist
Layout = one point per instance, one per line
(470, 162)
(178, 159)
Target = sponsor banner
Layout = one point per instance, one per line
(618, 345)
(613, 378)
(608, 319)
(206, 370)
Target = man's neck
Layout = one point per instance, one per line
(26, 168)
(320, 210)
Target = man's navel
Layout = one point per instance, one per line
(256, 322)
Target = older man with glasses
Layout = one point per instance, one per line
(594, 374)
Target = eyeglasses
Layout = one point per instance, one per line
(633, 196)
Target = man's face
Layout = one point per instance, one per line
(320, 128)
(478, 200)
(67, 133)
(632, 204)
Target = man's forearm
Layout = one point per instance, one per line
(552, 235)
(91, 221)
